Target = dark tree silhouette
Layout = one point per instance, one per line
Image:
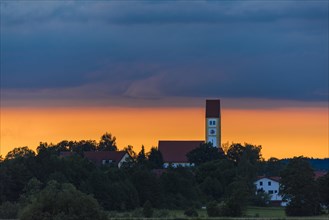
(141, 157)
(298, 185)
(107, 143)
(20, 152)
(155, 158)
(205, 153)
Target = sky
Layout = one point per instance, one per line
(73, 70)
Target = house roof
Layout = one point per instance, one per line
(274, 178)
(213, 108)
(98, 156)
(175, 151)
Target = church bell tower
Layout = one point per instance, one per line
(213, 122)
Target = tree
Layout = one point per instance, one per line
(234, 153)
(20, 152)
(91, 145)
(273, 167)
(251, 152)
(323, 184)
(147, 186)
(9, 210)
(205, 153)
(62, 201)
(141, 157)
(191, 212)
(107, 143)
(147, 209)
(155, 158)
(129, 149)
(298, 185)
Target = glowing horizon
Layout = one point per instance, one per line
(282, 133)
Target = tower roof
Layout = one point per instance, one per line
(212, 108)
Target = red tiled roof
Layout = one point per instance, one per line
(274, 178)
(175, 151)
(98, 156)
(213, 108)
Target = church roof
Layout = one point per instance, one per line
(175, 151)
(213, 108)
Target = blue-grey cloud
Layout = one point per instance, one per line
(143, 49)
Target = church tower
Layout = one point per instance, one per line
(213, 122)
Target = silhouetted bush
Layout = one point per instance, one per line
(191, 212)
(9, 210)
(147, 209)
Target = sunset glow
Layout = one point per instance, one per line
(142, 70)
(281, 132)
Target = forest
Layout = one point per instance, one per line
(43, 185)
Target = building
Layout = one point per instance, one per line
(271, 186)
(99, 158)
(116, 158)
(213, 122)
(174, 151)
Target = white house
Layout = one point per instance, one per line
(271, 186)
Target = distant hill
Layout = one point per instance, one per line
(316, 164)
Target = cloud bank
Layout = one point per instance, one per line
(276, 50)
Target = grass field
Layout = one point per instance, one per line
(266, 212)
(273, 213)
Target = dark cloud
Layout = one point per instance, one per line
(153, 50)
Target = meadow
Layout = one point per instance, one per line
(252, 212)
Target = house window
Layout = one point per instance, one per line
(270, 192)
(269, 183)
(106, 162)
(275, 191)
(261, 183)
(213, 122)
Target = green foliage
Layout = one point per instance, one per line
(20, 152)
(323, 185)
(62, 201)
(155, 158)
(9, 210)
(237, 152)
(298, 184)
(147, 209)
(205, 153)
(129, 149)
(15, 174)
(107, 143)
(141, 157)
(260, 199)
(180, 187)
(147, 186)
(191, 212)
(214, 209)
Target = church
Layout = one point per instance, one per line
(174, 151)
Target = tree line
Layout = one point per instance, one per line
(42, 184)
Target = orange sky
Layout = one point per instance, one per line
(284, 132)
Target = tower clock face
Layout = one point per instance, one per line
(212, 131)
